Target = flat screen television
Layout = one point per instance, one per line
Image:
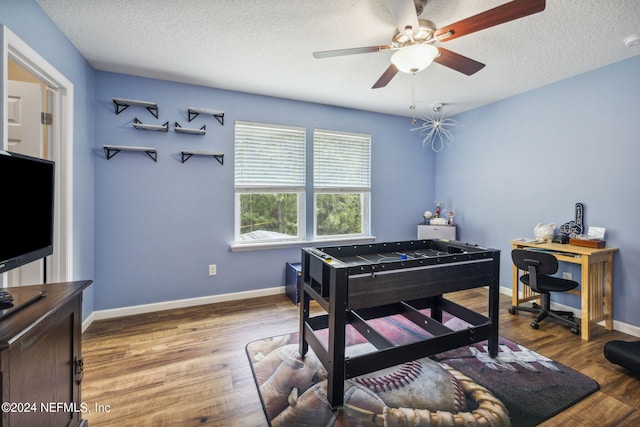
(26, 209)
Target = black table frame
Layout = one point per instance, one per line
(352, 293)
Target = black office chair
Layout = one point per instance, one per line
(541, 265)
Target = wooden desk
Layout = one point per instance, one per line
(596, 281)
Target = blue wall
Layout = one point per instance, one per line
(159, 225)
(26, 19)
(145, 231)
(530, 158)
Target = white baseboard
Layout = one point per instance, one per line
(617, 326)
(169, 305)
(211, 299)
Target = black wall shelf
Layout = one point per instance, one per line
(120, 104)
(145, 126)
(195, 111)
(112, 150)
(180, 129)
(186, 155)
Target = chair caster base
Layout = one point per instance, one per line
(512, 310)
(534, 325)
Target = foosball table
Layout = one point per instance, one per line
(357, 283)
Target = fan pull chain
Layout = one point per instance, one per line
(412, 107)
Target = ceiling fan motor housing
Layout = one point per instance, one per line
(424, 34)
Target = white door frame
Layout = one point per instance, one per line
(61, 147)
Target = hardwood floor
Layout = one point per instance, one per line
(187, 367)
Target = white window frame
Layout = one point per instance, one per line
(346, 177)
(256, 182)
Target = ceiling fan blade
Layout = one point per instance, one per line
(350, 51)
(386, 77)
(498, 15)
(404, 14)
(457, 62)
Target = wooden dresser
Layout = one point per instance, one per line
(41, 357)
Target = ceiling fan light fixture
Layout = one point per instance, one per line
(414, 58)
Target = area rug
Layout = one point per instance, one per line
(461, 387)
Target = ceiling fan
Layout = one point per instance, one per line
(414, 38)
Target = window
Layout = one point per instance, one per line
(271, 189)
(342, 184)
(270, 174)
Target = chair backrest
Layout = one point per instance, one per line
(544, 262)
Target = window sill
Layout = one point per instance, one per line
(243, 247)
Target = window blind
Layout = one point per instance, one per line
(269, 155)
(341, 160)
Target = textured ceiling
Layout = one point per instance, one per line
(265, 47)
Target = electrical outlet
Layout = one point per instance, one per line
(567, 275)
(213, 270)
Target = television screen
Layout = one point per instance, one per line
(26, 209)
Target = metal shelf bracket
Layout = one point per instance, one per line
(186, 155)
(120, 104)
(112, 150)
(194, 112)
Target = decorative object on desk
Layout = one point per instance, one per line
(596, 233)
(451, 218)
(576, 226)
(439, 221)
(561, 238)
(544, 232)
(469, 387)
(594, 238)
(585, 240)
(435, 129)
(438, 208)
(427, 216)
(437, 217)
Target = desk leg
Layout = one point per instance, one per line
(515, 295)
(608, 292)
(585, 294)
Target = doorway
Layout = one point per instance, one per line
(53, 141)
(26, 102)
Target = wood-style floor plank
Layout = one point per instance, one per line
(187, 367)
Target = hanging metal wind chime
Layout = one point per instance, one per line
(435, 129)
